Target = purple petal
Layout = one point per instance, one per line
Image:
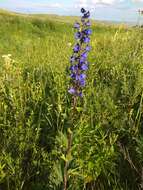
(72, 59)
(78, 35)
(88, 23)
(80, 94)
(82, 76)
(88, 48)
(84, 67)
(77, 25)
(76, 48)
(88, 31)
(72, 90)
(82, 60)
(74, 68)
(82, 82)
(84, 55)
(86, 39)
(76, 77)
(73, 75)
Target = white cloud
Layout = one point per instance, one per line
(90, 3)
(26, 4)
(138, 1)
(93, 3)
(105, 1)
(49, 5)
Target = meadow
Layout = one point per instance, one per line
(107, 147)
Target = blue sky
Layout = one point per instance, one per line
(117, 10)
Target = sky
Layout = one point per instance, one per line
(114, 10)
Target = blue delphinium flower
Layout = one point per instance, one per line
(78, 60)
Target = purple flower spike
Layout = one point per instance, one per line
(79, 64)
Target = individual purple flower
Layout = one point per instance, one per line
(88, 31)
(72, 91)
(84, 55)
(76, 48)
(82, 60)
(72, 59)
(86, 39)
(87, 48)
(81, 79)
(73, 75)
(82, 76)
(82, 82)
(84, 67)
(88, 23)
(74, 68)
(77, 25)
(78, 35)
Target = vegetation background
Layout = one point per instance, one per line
(107, 151)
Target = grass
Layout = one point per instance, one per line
(35, 106)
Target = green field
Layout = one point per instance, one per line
(35, 107)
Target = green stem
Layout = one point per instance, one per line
(67, 159)
(69, 146)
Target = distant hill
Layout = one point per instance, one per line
(63, 19)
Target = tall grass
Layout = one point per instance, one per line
(34, 107)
